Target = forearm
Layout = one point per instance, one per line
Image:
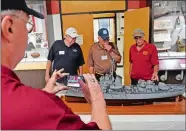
(156, 69)
(91, 70)
(115, 56)
(49, 63)
(100, 116)
(80, 70)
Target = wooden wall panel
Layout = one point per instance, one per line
(138, 18)
(104, 15)
(84, 25)
(91, 6)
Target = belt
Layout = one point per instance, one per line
(101, 73)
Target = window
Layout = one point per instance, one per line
(37, 49)
(107, 23)
(169, 27)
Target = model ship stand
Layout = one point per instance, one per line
(145, 92)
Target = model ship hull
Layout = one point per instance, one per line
(125, 94)
(144, 90)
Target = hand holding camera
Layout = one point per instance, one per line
(51, 86)
(92, 90)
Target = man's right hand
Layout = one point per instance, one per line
(94, 95)
(92, 90)
(47, 77)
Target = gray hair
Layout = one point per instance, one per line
(9, 12)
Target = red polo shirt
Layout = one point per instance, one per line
(28, 108)
(143, 61)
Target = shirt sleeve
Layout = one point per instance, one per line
(130, 56)
(51, 53)
(90, 58)
(65, 119)
(154, 57)
(81, 60)
(115, 49)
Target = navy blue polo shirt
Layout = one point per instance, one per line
(69, 58)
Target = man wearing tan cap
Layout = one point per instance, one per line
(143, 58)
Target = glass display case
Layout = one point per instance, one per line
(168, 27)
(37, 49)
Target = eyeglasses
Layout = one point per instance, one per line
(137, 37)
(29, 23)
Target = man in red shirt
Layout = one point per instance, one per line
(26, 108)
(143, 58)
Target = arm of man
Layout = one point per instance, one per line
(81, 62)
(130, 60)
(103, 120)
(155, 62)
(130, 69)
(91, 62)
(80, 70)
(91, 70)
(114, 53)
(47, 72)
(94, 96)
(116, 56)
(49, 63)
(156, 69)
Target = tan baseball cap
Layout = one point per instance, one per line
(72, 32)
(138, 32)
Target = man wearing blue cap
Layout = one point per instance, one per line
(102, 55)
(27, 108)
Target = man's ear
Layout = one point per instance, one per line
(6, 28)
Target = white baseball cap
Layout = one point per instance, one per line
(72, 32)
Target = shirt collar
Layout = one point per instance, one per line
(145, 46)
(99, 46)
(8, 73)
(73, 45)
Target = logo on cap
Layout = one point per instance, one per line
(104, 32)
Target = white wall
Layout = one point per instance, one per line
(120, 43)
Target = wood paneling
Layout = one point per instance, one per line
(104, 15)
(138, 18)
(84, 25)
(91, 6)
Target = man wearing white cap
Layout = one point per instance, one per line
(66, 54)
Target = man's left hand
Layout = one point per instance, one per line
(51, 86)
(155, 77)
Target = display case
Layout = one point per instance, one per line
(37, 50)
(168, 34)
(168, 27)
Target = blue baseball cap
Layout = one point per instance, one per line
(103, 33)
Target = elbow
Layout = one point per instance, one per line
(118, 60)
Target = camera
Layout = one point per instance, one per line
(71, 80)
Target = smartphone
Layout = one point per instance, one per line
(72, 80)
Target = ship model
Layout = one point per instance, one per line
(144, 90)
